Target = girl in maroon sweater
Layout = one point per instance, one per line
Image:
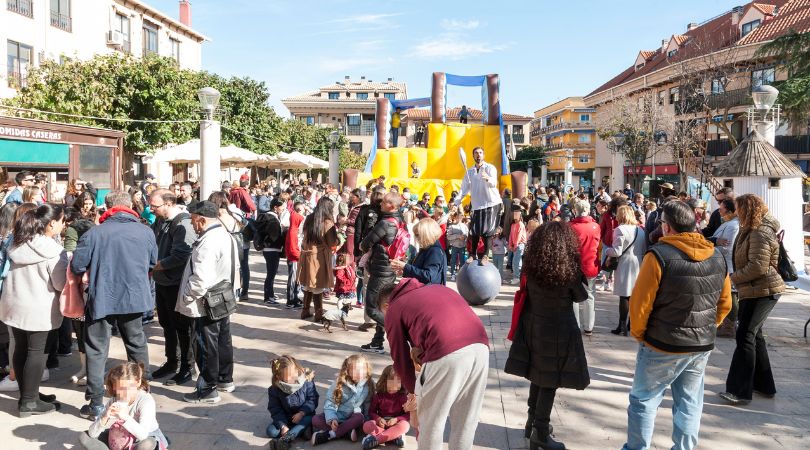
(345, 279)
(389, 421)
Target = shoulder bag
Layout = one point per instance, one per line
(220, 300)
(612, 262)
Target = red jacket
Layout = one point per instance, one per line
(443, 237)
(241, 199)
(607, 223)
(344, 279)
(292, 251)
(588, 232)
(417, 318)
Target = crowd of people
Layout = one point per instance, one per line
(160, 250)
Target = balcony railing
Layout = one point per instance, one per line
(578, 145)
(793, 144)
(518, 138)
(364, 129)
(61, 21)
(367, 128)
(718, 147)
(563, 125)
(729, 99)
(22, 7)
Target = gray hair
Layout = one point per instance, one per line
(582, 208)
(117, 198)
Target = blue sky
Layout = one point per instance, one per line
(543, 50)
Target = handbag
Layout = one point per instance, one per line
(71, 300)
(612, 262)
(220, 301)
(118, 438)
(517, 309)
(784, 265)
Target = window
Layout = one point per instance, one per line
(640, 66)
(353, 119)
(584, 117)
(390, 95)
(19, 60)
(309, 120)
(584, 139)
(175, 44)
(60, 14)
(674, 95)
(22, 7)
(584, 159)
(150, 38)
(661, 96)
(362, 96)
(672, 53)
(718, 85)
(517, 129)
(334, 95)
(762, 77)
(121, 25)
(95, 164)
(750, 26)
(356, 147)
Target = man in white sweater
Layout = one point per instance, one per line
(481, 182)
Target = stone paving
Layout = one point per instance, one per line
(591, 419)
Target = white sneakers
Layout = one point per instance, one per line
(9, 385)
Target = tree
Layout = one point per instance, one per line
(352, 160)
(793, 49)
(526, 157)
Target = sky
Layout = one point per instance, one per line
(543, 50)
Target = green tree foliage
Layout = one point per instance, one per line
(526, 157)
(793, 50)
(352, 160)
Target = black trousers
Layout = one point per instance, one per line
(214, 352)
(487, 245)
(271, 262)
(176, 334)
(375, 284)
(29, 361)
(65, 335)
(97, 346)
(541, 402)
(750, 366)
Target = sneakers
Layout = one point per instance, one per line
(733, 399)
(46, 375)
(295, 305)
(321, 437)
(165, 370)
(36, 407)
(64, 355)
(453, 277)
(398, 442)
(271, 301)
(226, 387)
(370, 442)
(372, 348)
(9, 385)
(353, 435)
(181, 377)
(206, 395)
(91, 411)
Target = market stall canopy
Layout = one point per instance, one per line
(229, 155)
(294, 160)
(235, 156)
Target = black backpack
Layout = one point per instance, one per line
(785, 266)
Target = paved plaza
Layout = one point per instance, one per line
(591, 419)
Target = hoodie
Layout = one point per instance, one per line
(36, 277)
(412, 322)
(651, 286)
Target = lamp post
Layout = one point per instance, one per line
(764, 114)
(210, 136)
(569, 168)
(334, 158)
(618, 143)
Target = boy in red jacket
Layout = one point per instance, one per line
(292, 251)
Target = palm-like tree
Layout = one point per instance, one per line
(793, 50)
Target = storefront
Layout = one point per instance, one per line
(62, 152)
(664, 173)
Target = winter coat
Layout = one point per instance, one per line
(269, 232)
(378, 240)
(356, 399)
(118, 253)
(429, 266)
(345, 279)
(315, 270)
(728, 230)
(36, 277)
(588, 232)
(75, 231)
(283, 406)
(292, 240)
(547, 347)
(240, 198)
(607, 223)
(366, 219)
(627, 272)
(174, 239)
(756, 254)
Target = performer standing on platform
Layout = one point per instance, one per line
(481, 182)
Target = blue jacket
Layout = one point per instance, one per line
(119, 254)
(429, 266)
(356, 399)
(282, 406)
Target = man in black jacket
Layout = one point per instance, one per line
(378, 266)
(270, 239)
(174, 235)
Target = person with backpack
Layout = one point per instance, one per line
(389, 227)
(270, 240)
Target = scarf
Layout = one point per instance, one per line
(115, 210)
(289, 388)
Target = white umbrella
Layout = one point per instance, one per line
(235, 155)
(180, 154)
(311, 161)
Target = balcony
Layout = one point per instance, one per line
(61, 21)
(364, 129)
(793, 145)
(517, 138)
(563, 125)
(730, 99)
(578, 145)
(22, 7)
(718, 147)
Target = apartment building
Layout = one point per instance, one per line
(39, 30)
(704, 76)
(566, 129)
(349, 105)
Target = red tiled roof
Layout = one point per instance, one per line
(452, 114)
(764, 8)
(717, 34)
(647, 54)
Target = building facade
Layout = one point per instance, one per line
(38, 30)
(349, 105)
(567, 131)
(515, 126)
(704, 77)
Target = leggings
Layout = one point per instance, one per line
(28, 361)
(487, 245)
(100, 443)
(624, 309)
(354, 422)
(384, 435)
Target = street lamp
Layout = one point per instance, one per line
(618, 140)
(334, 158)
(764, 116)
(764, 96)
(210, 136)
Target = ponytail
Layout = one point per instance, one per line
(33, 222)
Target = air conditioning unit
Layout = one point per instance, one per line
(115, 38)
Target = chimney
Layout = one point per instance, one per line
(185, 13)
(691, 26)
(736, 15)
(347, 78)
(664, 43)
(362, 77)
(390, 79)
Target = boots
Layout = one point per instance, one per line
(305, 314)
(527, 432)
(36, 407)
(541, 439)
(621, 329)
(317, 299)
(80, 377)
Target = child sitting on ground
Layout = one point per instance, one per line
(292, 401)
(129, 420)
(389, 421)
(345, 280)
(347, 402)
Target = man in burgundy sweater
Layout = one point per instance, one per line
(437, 326)
(240, 198)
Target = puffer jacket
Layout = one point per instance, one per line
(756, 254)
(378, 240)
(356, 399)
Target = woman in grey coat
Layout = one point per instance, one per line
(30, 301)
(629, 245)
(723, 238)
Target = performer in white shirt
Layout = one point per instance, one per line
(481, 182)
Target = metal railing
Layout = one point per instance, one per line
(22, 7)
(365, 129)
(517, 138)
(729, 99)
(563, 125)
(572, 146)
(61, 21)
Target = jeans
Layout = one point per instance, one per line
(457, 257)
(295, 429)
(293, 288)
(655, 371)
(750, 366)
(517, 261)
(586, 308)
(244, 271)
(176, 337)
(498, 259)
(394, 136)
(271, 258)
(97, 344)
(214, 352)
(29, 361)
